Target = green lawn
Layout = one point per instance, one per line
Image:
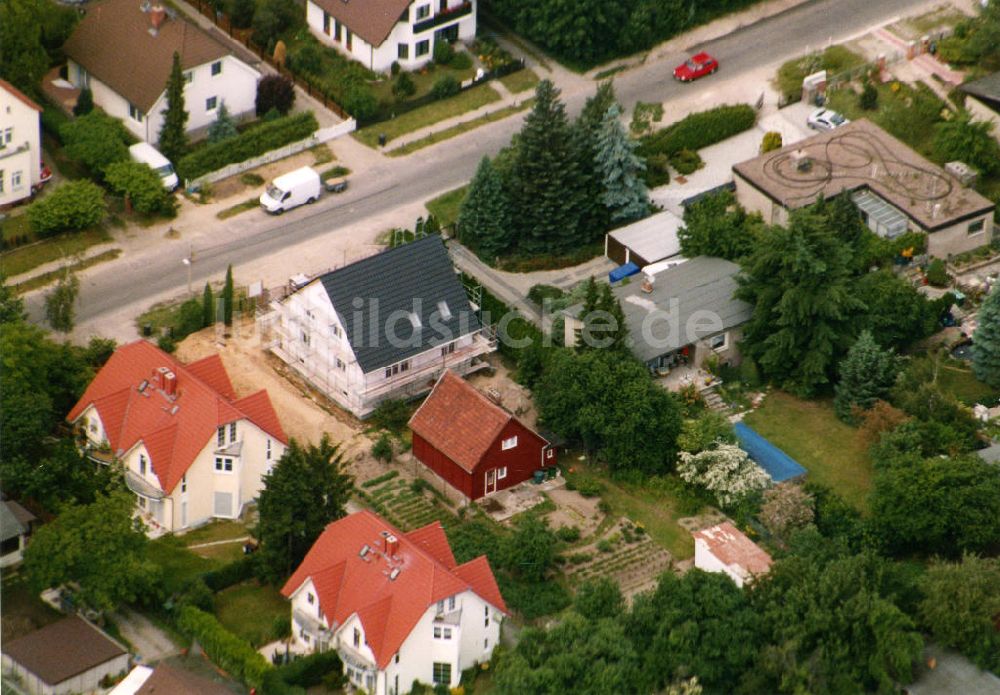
(48, 278)
(520, 81)
(23, 611)
(460, 128)
(250, 611)
(218, 530)
(469, 100)
(810, 433)
(232, 211)
(423, 80)
(834, 60)
(446, 206)
(961, 383)
(179, 565)
(25, 258)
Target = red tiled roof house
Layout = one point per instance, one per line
(473, 443)
(724, 548)
(395, 606)
(191, 449)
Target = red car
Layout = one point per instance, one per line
(695, 67)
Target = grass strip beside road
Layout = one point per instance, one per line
(47, 278)
(28, 257)
(248, 204)
(446, 206)
(520, 81)
(469, 100)
(459, 128)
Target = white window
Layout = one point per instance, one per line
(268, 450)
(509, 443)
(305, 338)
(423, 47)
(304, 636)
(550, 453)
(216, 68)
(486, 643)
(451, 603)
(340, 365)
(223, 464)
(142, 464)
(403, 51)
(134, 113)
(310, 598)
(437, 632)
(447, 633)
(442, 632)
(232, 432)
(335, 329)
(211, 103)
(501, 473)
(448, 349)
(718, 342)
(7, 136)
(1, 180)
(142, 502)
(220, 436)
(189, 76)
(441, 674)
(423, 12)
(440, 607)
(976, 227)
(397, 369)
(357, 637)
(184, 483)
(15, 180)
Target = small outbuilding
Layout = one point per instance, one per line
(644, 242)
(69, 656)
(15, 527)
(167, 680)
(724, 548)
(472, 442)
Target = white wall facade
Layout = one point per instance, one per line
(20, 148)
(473, 625)
(14, 556)
(234, 83)
(380, 58)
(88, 681)
(313, 340)
(705, 559)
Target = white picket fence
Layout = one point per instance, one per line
(320, 136)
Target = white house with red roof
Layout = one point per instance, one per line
(20, 144)
(192, 451)
(724, 548)
(395, 606)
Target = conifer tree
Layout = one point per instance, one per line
(484, 221)
(227, 298)
(173, 133)
(547, 184)
(586, 131)
(84, 102)
(618, 331)
(207, 306)
(866, 375)
(986, 341)
(625, 192)
(224, 127)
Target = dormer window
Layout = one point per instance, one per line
(232, 432)
(142, 464)
(357, 637)
(423, 12)
(310, 598)
(444, 309)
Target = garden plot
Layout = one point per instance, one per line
(626, 555)
(407, 505)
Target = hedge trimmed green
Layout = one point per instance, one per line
(256, 141)
(140, 184)
(230, 574)
(699, 130)
(73, 206)
(228, 651)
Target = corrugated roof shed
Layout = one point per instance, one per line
(779, 465)
(375, 296)
(653, 238)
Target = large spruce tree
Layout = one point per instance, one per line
(546, 179)
(484, 221)
(621, 170)
(866, 375)
(173, 132)
(586, 132)
(986, 341)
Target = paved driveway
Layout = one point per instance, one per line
(149, 642)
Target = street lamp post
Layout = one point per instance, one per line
(189, 262)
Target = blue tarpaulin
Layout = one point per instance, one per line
(622, 272)
(779, 465)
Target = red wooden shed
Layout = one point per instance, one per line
(473, 443)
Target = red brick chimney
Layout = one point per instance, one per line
(391, 545)
(170, 383)
(157, 15)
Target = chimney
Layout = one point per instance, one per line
(494, 395)
(159, 380)
(170, 383)
(157, 15)
(647, 286)
(391, 545)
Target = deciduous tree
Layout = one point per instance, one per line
(968, 141)
(22, 56)
(305, 491)
(599, 598)
(726, 471)
(786, 508)
(173, 133)
(60, 303)
(717, 225)
(142, 186)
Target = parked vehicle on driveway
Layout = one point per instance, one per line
(696, 66)
(337, 184)
(147, 154)
(825, 119)
(291, 190)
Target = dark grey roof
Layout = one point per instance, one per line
(691, 301)
(10, 525)
(416, 278)
(64, 649)
(985, 87)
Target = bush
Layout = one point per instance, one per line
(198, 595)
(275, 92)
(937, 275)
(394, 68)
(309, 59)
(166, 343)
(868, 99)
(96, 140)
(382, 449)
(568, 534)
(142, 186)
(605, 546)
(310, 670)
(228, 651)
(588, 487)
(686, 162)
(385, 477)
(699, 130)
(255, 141)
(230, 574)
(404, 86)
(73, 206)
(444, 87)
(361, 103)
(657, 170)
(444, 52)
(392, 414)
(84, 103)
(190, 318)
(241, 13)
(461, 61)
(772, 141)
(539, 293)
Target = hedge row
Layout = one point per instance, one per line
(699, 130)
(380, 479)
(251, 143)
(303, 672)
(230, 574)
(228, 651)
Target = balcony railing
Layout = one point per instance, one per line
(443, 17)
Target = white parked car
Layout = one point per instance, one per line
(291, 190)
(825, 119)
(144, 153)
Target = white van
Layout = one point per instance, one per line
(147, 154)
(291, 190)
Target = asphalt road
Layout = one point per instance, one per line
(396, 182)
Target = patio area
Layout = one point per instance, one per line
(504, 504)
(682, 376)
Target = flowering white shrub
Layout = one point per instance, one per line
(726, 471)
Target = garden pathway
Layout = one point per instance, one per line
(149, 642)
